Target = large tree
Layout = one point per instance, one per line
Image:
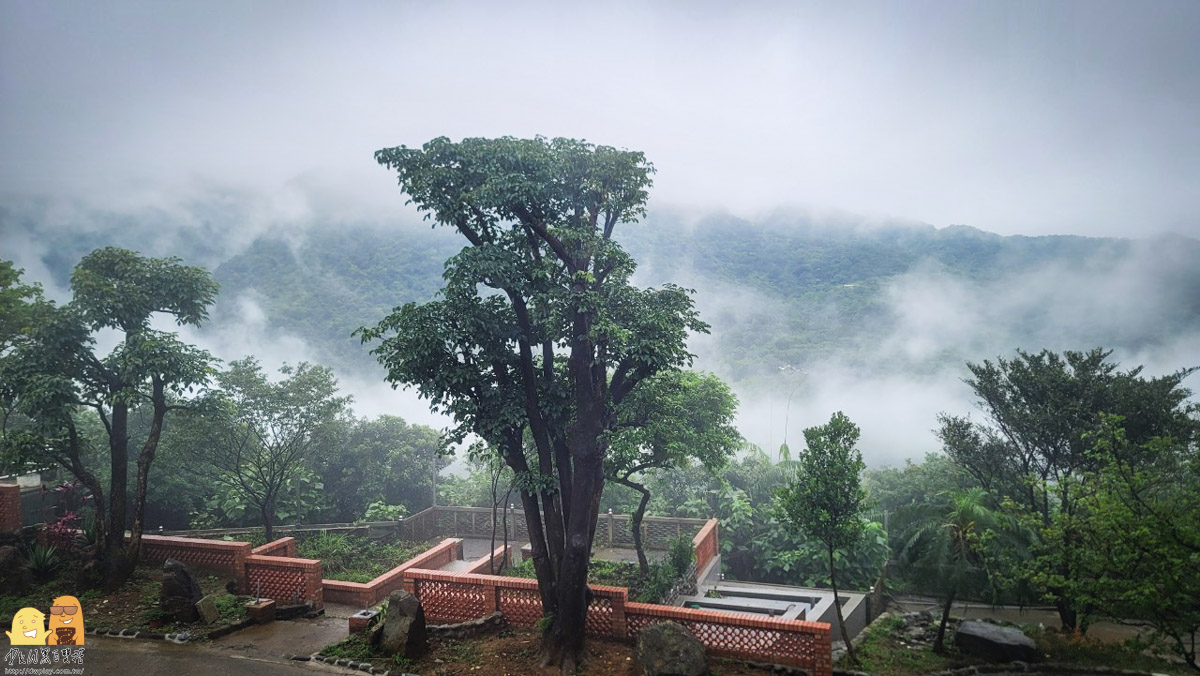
(57, 373)
(266, 432)
(672, 418)
(825, 499)
(1042, 408)
(537, 330)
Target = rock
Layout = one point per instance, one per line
(403, 630)
(180, 592)
(997, 644)
(207, 607)
(232, 587)
(15, 578)
(668, 649)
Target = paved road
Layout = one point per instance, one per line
(124, 657)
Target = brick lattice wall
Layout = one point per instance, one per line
(457, 597)
(742, 636)
(218, 556)
(285, 579)
(10, 507)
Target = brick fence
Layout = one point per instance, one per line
(449, 597)
(271, 571)
(10, 507)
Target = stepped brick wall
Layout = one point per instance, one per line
(371, 593)
(281, 547)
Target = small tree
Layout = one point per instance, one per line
(825, 498)
(943, 548)
(675, 416)
(265, 432)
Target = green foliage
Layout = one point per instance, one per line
(260, 435)
(43, 562)
(231, 608)
(1037, 454)
(55, 371)
(1139, 547)
(680, 555)
(353, 647)
(381, 511)
(354, 558)
(825, 499)
(881, 651)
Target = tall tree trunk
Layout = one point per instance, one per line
(145, 458)
(636, 523)
(837, 604)
(939, 645)
(114, 565)
(563, 645)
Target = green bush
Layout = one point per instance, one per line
(381, 511)
(680, 554)
(43, 562)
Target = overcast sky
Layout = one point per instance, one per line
(1015, 117)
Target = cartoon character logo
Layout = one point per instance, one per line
(66, 622)
(28, 628)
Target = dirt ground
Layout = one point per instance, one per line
(515, 653)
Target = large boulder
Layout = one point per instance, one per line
(15, 578)
(994, 643)
(403, 630)
(669, 649)
(180, 593)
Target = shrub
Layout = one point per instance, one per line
(680, 554)
(381, 511)
(43, 562)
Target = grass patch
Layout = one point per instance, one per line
(354, 558)
(1083, 651)
(133, 606)
(883, 652)
(354, 647)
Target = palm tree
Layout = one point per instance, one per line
(942, 548)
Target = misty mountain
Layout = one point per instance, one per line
(787, 289)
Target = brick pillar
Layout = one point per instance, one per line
(10, 507)
(491, 599)
(619, 629)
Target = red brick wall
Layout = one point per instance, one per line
(285, 579)
(10, 507)
(457, 597)
(366, 595)
(483, 565)
(742, 636)
(226, 558)
(705, 545)
(282, 547)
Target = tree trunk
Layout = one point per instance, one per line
(563, 644)
(636, 523)
(939, 645)
(114, 565)
(837, 605)
(145, 458)
(268, 515)
(1067, 615)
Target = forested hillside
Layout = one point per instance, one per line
(786, 289)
